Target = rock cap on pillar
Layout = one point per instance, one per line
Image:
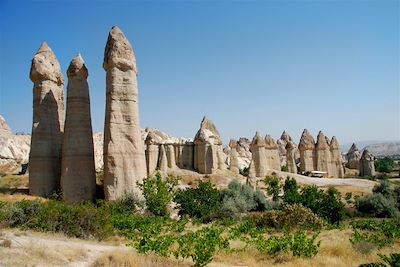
(208, 133)
(45, 66)
(306, 141)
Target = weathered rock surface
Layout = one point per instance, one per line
(322, 154)
(291, 157)
(124, 153)
(259, 157)
(208, 154)
(353, 157)
(272, 154)
(233, 156)
(367, 166)
(336, 168)
(5, 130)
(78, 177)
(306, 149)
(48, 123)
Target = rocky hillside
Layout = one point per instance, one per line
(384, 149)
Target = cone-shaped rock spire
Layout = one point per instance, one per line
(48, 123)
(306, 148)
(78, 178)
(322, 154)
(353, 157)
(336, 169)
(124, 156)
(367, 166)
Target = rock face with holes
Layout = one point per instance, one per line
(367, 165)
(208, 153)
(291, 157)
(306, 149)
(48, 123)
(124, 153)
(78, 178)
(336, 168)
(353, 157)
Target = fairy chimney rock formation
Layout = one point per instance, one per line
(152, 151)
(233, 156)
(353, 157)
(208, 154)
(272, 153)
(366, 165)
(336, 169)
(259, 157)
(322, 154)
(306, 149)
(124, 154)
(78, 178)
(291, 157)
(48, 123)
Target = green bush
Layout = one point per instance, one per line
(202, 202)
(383, 188)
(158, 193)
(377, 205)
(291, 191)
(82, 220)
(299, 244)
(384, 165)
(273, 187)
(290, 217)
(240, 198)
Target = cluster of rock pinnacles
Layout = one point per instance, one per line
(62, 154)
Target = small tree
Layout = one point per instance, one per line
(158, 193)
(273, 187)
(291, 191)
(384, 165)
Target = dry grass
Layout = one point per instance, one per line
(336, 250)
(131, 259)
(14, 181)
(18, 197)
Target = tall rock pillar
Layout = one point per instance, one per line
(306, 149)
(291, 157)
(258, 155)
(337, 169)
(48, 123)
(272, 153)
(78, 177)
(124, 156)
(366, 165)
(322, 154)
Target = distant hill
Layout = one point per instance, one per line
(377, 148)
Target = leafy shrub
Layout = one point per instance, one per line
(383, 188)
(284, 168)
(273, 187)
(290, 217)
(240, 198)
(377, 205)
(384, 165)
(202, 202)
(299, 244)
(380, 233)
(291, 191)
(158, 193)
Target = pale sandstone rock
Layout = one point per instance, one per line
(208, 154)
(273, 160)
(78, 177)
(306, 149)
(291, 157)
(322, 154)
(48, 123)
(337, 170)
(233, 157)
(353, 157)
(5, 130)
(152, 151)
(366, 165)
(170, 150)
(163, 160)
(252, 177)
(124, 153)
(259, 157)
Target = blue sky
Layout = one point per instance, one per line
(249, 66)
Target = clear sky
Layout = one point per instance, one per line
(247, 65)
